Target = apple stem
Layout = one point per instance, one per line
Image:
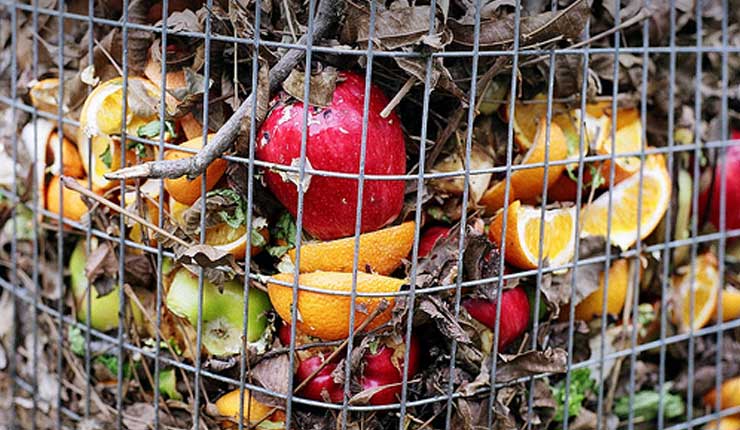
(327, 15)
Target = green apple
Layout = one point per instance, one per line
(103, 309)
(222, 311)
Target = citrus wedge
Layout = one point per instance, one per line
(66, 155)
(593, 305)
(325, 315)
(731, 422)
(73, 207)
(185, 190)
(703, 286)
(523, 235)
(234, 240)
(379, 252)
(101, 121)
(655, 192)
(529, 115)
(628, 138)
(730, 304)
(729, 394)
(253, 410)
(526, 184)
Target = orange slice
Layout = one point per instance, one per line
(254, 411)
(704, 287)
(526, 184)
(380, 251)
(72, 164)
(523, 235)
(529, 115)
(326, 316)
(234, 240)
(593, 305)
(101, 120)
(73, 206)
(731, 422)
(185, 190)
(730, 304)
(655, 192)
(729, 394)
(628, 138)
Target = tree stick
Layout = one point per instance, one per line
(327, 15)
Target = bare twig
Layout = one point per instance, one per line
(398, 97)
(327, 15)
(74, 186)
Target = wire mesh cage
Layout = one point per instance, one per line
(349, 214)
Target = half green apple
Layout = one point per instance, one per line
(223, 321)
(103, 309)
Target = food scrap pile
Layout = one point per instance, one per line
(546, 239)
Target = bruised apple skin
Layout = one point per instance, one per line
(334, 144)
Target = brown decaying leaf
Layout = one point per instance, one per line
(567, 23)
(321, 86)
(101, 268)
(394, 28)
(530, 363)
(481, 260)
(218, 266)
(272, 373)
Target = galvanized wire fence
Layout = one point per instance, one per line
(49, 385)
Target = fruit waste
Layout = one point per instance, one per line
(430, 237)
(382, 366)
(514, 314)
(334, 135)
(711, 189)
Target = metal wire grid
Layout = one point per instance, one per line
(30, 301)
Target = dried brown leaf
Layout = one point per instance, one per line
(567, 23)
(101, 268)
(512, 367)
(321, 87)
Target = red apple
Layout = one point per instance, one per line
(334, 139)
(384, 367)
(381, 366)
(732, 189)
(514, 314)
(322, 386)
(430, 237)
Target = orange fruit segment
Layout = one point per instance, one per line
(527, 184)
(253, 410)
(101, 121)
(529, 115)
(69, 157)
(628, 139)
(188, 191)
(73, 206)
(655, 193)
(379, 252)
(729, 394)
(326, 316)
(703, 287)
(730, 304)
(731, 422)
(593, 305)
(523, 235)
(234, 240)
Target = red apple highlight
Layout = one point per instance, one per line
(514, 314)
(732, 189)
(430, 237)
(333, 144)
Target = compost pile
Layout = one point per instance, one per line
(184, 268)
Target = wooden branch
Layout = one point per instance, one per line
(326, 16)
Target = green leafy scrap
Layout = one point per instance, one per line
(283, 231)
(646, 403)
(580, 385)
(152, 129)
(168, 384)
(107, 157)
